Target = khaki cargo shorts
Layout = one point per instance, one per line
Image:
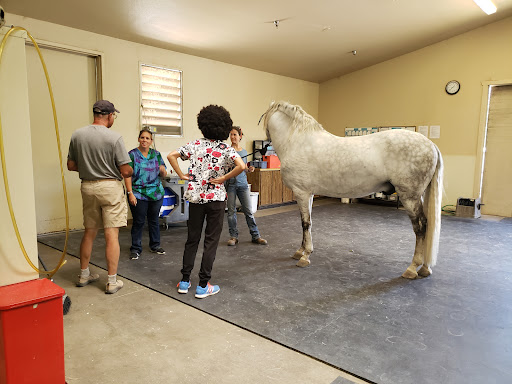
(104, 204)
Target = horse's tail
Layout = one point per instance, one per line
(432, 209)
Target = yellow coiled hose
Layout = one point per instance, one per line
(4, 169)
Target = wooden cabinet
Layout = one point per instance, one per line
(270, 186)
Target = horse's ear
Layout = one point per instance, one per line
(272, 103)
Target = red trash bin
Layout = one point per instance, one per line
(32, 333)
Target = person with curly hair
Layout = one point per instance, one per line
(212, 162)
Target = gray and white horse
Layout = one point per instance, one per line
(313, 161)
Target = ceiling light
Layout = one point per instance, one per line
(486, 5)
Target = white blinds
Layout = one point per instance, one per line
(161, 100)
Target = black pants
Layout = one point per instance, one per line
(214, 214)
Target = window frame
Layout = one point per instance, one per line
(161, 129)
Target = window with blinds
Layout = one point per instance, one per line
(161, 100)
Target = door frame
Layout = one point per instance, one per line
(482, 134)
(96, 55)
(79, 53)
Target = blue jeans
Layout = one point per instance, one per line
(151, 210)
(244, 197)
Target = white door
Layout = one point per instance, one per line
(497, 181)
(73, 79)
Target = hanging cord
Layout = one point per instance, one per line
(4, 169)
(448, 211)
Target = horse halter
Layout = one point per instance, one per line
(263, 150)
(269, 108)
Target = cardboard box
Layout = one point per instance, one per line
(467, 207)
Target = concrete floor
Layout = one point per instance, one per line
(141, 336)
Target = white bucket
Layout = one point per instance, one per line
(253, 201)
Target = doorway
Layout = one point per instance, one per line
(497, 163)
(75, 81)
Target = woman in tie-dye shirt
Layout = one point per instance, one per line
(145, 193)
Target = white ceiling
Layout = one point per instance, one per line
(314, 40)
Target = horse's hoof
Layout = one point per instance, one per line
(408, 274)
(425, 271)
(303, 263)
(297, 255)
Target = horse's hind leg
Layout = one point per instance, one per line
(414, 208)
(305, 202)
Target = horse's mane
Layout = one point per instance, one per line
(301, 121)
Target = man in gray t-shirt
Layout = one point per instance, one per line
(101, 160)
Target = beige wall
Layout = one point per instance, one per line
(18, 163)
(244, 92)
(409, 90)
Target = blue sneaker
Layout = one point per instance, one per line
(183, 286)
(209, 290)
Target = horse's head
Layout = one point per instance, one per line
(283, 116)
(287, 125)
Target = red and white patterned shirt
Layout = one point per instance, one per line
(209, 159)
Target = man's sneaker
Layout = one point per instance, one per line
(134, 255)
(259, 241)
(83, 281)
(209, 290)
(183, 286)
(158, 250)
(232, 241)
(113, 288)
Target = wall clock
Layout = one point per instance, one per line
(452, 87)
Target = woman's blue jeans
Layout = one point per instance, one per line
(151, 210)
(244, 196)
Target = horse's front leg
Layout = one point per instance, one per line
(305, 202)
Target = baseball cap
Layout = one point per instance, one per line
(104, 107)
